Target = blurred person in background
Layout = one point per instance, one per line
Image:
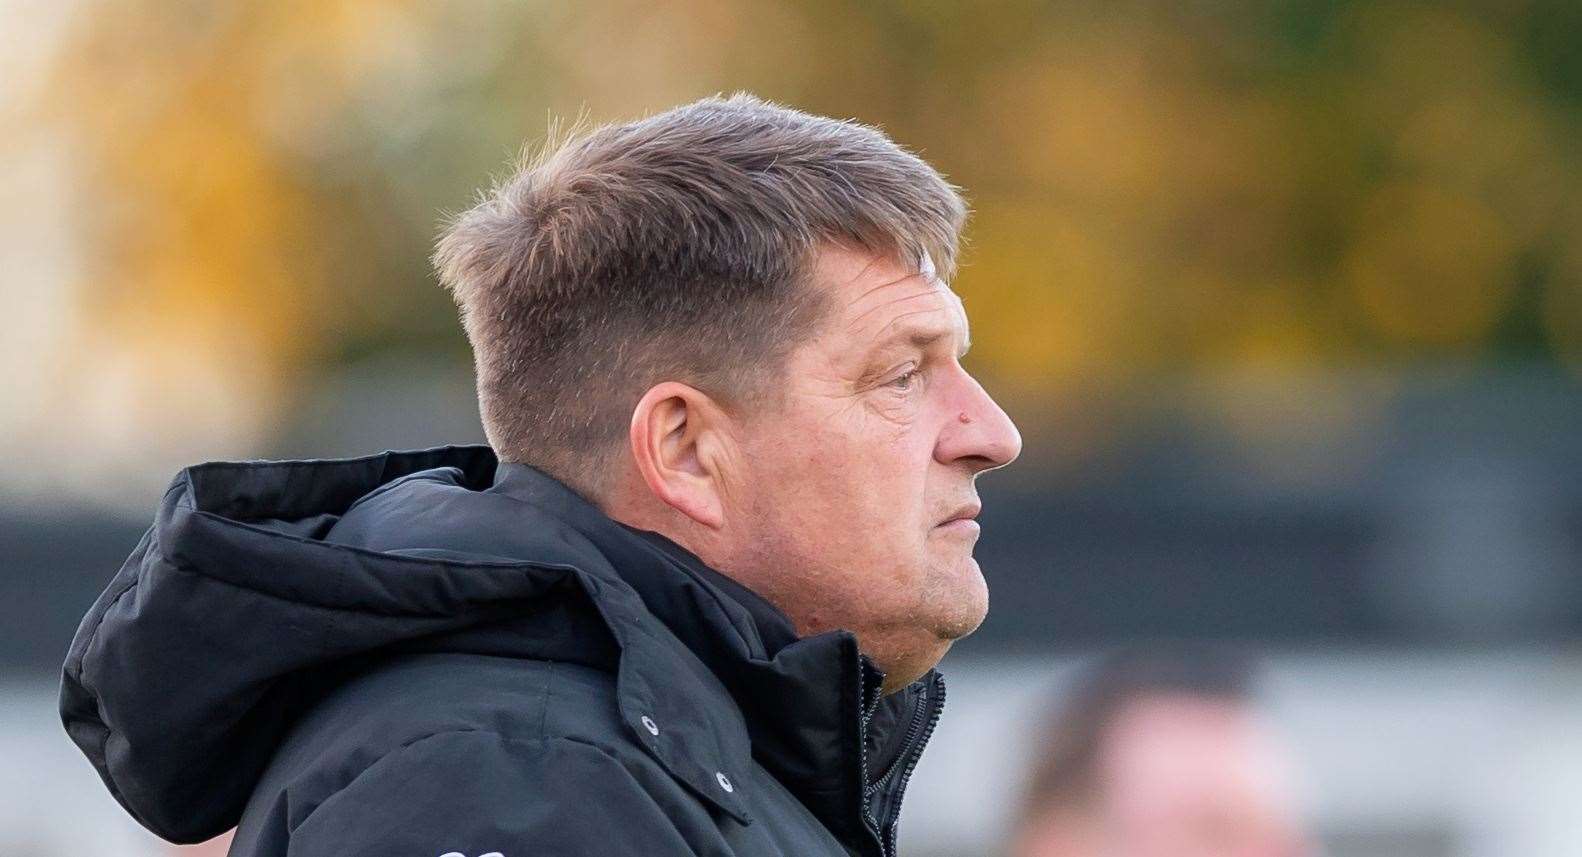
(219, 846)
(690, 597)
(1159, 752)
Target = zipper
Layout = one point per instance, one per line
(936, 709)
(865, 712)
(919, 714)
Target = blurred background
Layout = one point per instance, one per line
(1286, 298)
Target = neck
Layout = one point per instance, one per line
(904, 654)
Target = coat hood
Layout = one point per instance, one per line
(261, 584)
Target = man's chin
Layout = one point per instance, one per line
(964, 625)
(968, 604)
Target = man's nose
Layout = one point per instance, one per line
(978, 431)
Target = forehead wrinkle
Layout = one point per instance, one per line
(860, 297)
(966, 336)
(909, 297)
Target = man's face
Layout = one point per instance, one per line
(859, 494)
(1181, 777)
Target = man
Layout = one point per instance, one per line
(1159, 753)
(688, 599)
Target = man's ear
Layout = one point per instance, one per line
(676, 438)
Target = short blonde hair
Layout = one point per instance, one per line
(676, 247)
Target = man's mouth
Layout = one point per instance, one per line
(963, 519)
(965, 526)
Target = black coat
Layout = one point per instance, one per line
(427, 652)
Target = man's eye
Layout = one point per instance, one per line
(904, 382)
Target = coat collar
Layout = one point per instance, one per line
(809, 709)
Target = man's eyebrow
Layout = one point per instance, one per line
(921, 337)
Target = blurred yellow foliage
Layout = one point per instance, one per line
(1155, 187)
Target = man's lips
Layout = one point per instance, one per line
(963, 518)
(960, 525)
